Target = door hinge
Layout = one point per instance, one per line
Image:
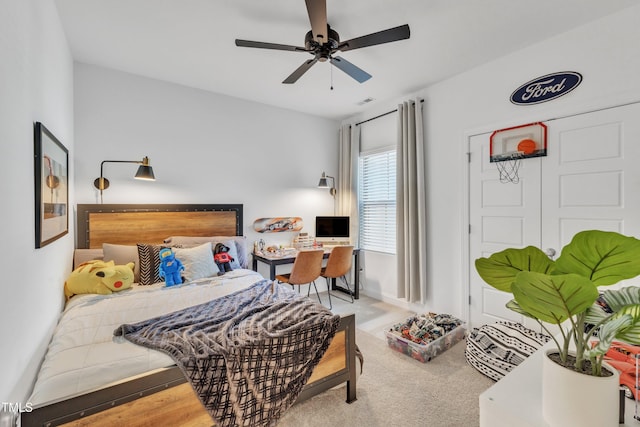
(469, 228)
(469, 299)
(469, 156)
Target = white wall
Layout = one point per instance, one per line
(204, 148)
(36, 84)
(606, 54)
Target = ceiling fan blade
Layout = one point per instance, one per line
(385, 36)
(317, 11)
(263, 45)
(300, 71)
(357, 73)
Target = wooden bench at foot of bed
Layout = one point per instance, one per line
(165, 395)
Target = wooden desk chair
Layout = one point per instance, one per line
(338, 265)
(306, 269)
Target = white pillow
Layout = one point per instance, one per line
(240, 246)
(197, 261)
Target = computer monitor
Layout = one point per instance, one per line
(330, 228)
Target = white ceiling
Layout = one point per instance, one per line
(191, 42)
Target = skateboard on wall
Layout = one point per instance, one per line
(278, 224)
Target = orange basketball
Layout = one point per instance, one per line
(527, 146)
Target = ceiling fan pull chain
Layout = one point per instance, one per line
(331, 71)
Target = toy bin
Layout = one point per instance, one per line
(425, 352)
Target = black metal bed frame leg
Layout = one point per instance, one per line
(351, 353)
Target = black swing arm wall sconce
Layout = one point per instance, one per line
(145, 172)
(323, 183)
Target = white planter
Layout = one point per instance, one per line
(573, 399)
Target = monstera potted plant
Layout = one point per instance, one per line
(565, 293)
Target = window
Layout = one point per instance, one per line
(377, 201)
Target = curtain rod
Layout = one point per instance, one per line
(381, 115)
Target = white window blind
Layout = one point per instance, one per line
(377, 201)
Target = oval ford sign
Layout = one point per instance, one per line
(546, 88)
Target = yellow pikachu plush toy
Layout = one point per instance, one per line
(99, 277)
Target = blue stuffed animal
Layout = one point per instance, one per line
(170, 267)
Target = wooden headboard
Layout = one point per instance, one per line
(126, 224)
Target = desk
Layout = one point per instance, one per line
(272, 262)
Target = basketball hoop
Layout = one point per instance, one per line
(507, 148)
(508, 165)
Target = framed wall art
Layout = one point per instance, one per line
(51, 186)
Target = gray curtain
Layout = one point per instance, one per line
(347, 180)
(411, 207)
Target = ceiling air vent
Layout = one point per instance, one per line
(365, 101)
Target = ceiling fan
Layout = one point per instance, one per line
(323, 42)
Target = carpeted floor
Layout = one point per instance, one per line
(395, 390)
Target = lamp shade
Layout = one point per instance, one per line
(145, 172)
(323, 182)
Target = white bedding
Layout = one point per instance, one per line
(84, 355)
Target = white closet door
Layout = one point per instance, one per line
(502, 215)
(590, 179)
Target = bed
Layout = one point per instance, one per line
(67, 391)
